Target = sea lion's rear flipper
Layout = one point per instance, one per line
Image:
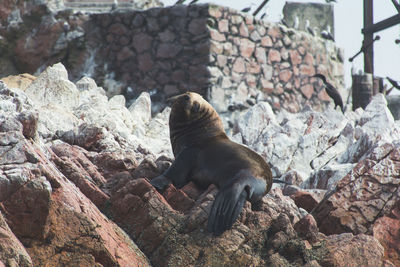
(226, 208)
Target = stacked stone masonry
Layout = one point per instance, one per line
(229, 57)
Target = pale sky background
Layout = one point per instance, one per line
(348, 24)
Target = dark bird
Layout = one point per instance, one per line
(309, 29)
(326, 34)
(393, 83)
(193, 2)
(328, 1)
(179, 2)
(331, 91)
(246, 9)
(397, 41)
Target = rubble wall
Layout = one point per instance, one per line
(229, 57)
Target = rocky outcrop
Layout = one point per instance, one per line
(74, 185)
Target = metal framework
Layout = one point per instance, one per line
(370, 28)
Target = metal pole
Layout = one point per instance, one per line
(368, 37)
(260, 7)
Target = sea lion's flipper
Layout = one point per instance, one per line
(226, 208)
(160, 183)
(177, 172)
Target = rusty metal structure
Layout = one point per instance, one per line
(366, 85)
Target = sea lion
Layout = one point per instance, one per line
(205, 155)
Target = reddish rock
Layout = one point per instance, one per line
(301, 50)
(307, 90)
(261, 55)
(278, 90)
(243, 30)
(368, 192)
(125, 54)
(253, 67)
(295, 57)
(307, 228)
(216, 48)
(141, 42)
(58, 224)
(267, 86)
(145, 61)
(309, 59)
(322, 95)
(72, 162)
(12, 252)
(251, 80)
(215, 12)
(223, 25)
(274, 56)
(266, 41)
(246, 48)
(350, 250)
(285, 75)
(387, 231)
(239, 66)
(178, 199)
(307, 70)
(118, 29)
(305, 200)
(222, 60)
(217, 36)
(275, 33)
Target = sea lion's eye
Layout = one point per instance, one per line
(195, 107)
(186, 98)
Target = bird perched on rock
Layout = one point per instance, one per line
(193, 2)
(326, 34)
(331, 91)
(309, 29)
(246, 9)
(263, 15)
(296, 22)
(179, 2)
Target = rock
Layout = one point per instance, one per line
(12, 252)
(21, 81)
(386, 230)
(349, 250)
(58, 183)
(371, 192)
(305, 200)
(52, 87)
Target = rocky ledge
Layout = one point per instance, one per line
(74, 190)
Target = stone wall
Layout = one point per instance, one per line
(231, 58)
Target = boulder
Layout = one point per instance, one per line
(76, 191)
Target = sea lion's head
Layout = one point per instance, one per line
(192, 118)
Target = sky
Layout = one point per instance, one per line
(348, 17)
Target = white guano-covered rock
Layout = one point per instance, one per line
(52, 87)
